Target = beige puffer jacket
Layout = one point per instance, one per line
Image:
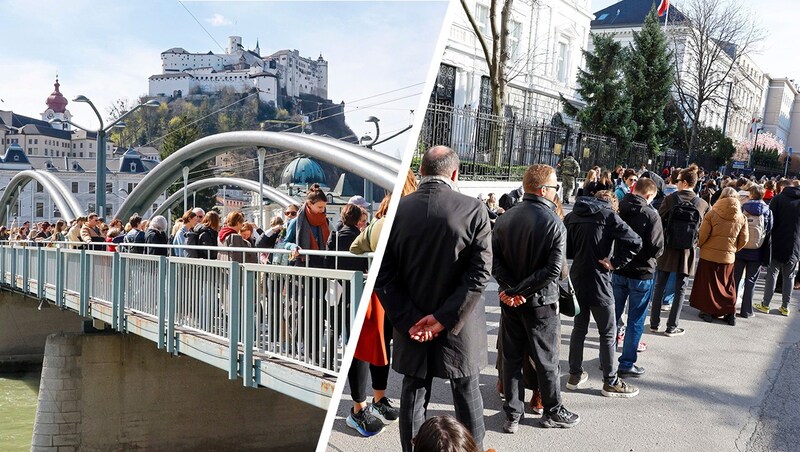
(723, 232)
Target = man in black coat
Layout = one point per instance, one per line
(633, 283)
(785, 209)
(529, 243)
(592, 228)
(435, 268)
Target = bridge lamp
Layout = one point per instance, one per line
(100, 195)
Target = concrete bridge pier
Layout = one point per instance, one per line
(115, 392)
(24, 329)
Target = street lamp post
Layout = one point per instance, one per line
(100, 191)
(185, 190)
(261, 154)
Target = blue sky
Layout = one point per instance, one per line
(107, 49)
(780, 19)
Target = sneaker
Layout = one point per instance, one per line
(563, 418)
(536, 402)
(653, 329)
(366, 424)
(620, 389)
(666, 307)
(674, 331)
(761, 308)
(510, 426)
(633, 371)
(575, 381)
(784, 311)
(384, 410)
(641, 347)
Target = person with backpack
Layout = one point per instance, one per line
(757, 250)
(681, 214)
(785, 209)
(723, 232)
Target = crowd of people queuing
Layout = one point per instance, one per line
(632, 241)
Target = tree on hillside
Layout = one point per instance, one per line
(602, 86)
(648, 78)
(712, 41)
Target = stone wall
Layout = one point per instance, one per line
(114, 392)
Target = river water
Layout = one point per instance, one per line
(18, 397)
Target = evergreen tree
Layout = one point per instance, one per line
(602, 86)
(649, 76)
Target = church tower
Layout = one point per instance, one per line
(57, 109)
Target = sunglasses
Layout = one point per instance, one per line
(290, 213)
(554, 187)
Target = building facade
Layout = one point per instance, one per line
(48, 145)
(545, 43)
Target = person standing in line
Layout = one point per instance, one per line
(593, 227)
(785, 208)
(157, 235)
(634, 282)
(723, 232)
(681, 214)
(188, 222)
(136, 236)
(570, 169)
(529, 244)
(310, 230)
(757, 250)
(628, 179)
(435, 268)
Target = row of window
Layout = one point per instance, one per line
(76, 186)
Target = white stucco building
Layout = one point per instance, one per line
(546, 39)
(30, 143)
(282, 73)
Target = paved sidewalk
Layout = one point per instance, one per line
(717, 388)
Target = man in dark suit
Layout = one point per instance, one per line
(435, 269)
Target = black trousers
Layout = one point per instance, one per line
(540, 328)
(528, 369)
(414, 400)
(357, 375)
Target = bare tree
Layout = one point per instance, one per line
(497, 55)
(709, 46)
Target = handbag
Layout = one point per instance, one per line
(567, 301)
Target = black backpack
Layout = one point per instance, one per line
(683, 224)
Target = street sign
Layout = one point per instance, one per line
(739, 164)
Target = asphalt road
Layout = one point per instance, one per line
(717, 388)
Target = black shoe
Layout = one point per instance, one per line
(731, 319)
(673, 331)
(364, 422)
(706, 317)
(384, 410)
(563, 418)
(633, 371)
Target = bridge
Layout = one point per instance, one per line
(278, 328)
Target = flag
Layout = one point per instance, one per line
(663, 7)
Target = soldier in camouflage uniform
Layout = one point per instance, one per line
(570, 169)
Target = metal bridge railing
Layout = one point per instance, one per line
(299, 315)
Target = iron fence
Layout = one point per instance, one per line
(495, 147)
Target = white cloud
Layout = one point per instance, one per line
(218, 20)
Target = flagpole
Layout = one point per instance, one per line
(666, 16)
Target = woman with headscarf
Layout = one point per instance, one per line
(723, 232)
(157, 235)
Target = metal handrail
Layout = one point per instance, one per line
(295, 315)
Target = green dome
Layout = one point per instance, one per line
(302, 171)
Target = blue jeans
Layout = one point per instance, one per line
(638, 293)
(669, 291)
